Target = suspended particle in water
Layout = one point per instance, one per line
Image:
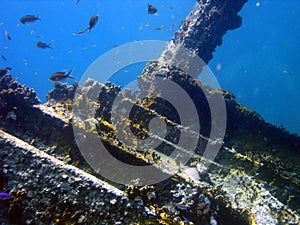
(116, 52)
(257, 4)
(70, 52)
(51, 57)
(218, 67)
(123, 28)
(94, 45)
(85, 48)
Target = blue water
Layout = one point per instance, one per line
(254, 57)
(250, 62)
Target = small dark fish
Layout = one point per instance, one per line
(77, 1)
(4, 71)
(29, 19)
(60, 76)
(5, 196)
(42, 45)
(93, 21)
(3, 57)
(7, 35)
(151, 9)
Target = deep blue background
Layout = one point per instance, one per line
(250, 62)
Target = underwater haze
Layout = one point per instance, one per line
(258, 62)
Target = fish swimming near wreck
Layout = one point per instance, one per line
(27, 19)
(151, 9)
(5, 196)
(4, 71)
(92, 23)
(42, 45)
(60, 76)
(3, 57)
(7, 35)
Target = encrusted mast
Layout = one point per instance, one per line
(203, 29)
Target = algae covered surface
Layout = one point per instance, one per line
(243, 185)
